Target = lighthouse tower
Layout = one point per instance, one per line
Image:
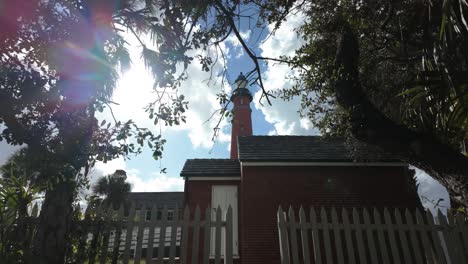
(242, 114)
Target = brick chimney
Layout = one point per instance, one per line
(242, 114)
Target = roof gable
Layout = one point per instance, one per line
(211, 167)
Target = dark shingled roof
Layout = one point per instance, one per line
(306, 148)
(169, 199)
(211, 167)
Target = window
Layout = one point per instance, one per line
(170, 215)
(159, 215)
(148, 215)
(136, 217)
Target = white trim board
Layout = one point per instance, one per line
(330, 164)
(211, 178)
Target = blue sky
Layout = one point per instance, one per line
(193, 139)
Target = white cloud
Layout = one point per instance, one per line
(6, 150)
(282, 114)
(155, 182)
(110, 167)
(245, 35)
(135, 91)
(237, 46)
(201, 92)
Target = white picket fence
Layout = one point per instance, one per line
(356, 236)
(113, 236)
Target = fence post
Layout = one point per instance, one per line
(370, 236)
(462, 232)
(326, 235)
(391, 236)
(304, 236)
(106, 235)
(97, 228)
(151, 227)
(381, 237)
(449, 250)
(185, 236)
(436, 239)
(117, 220)
(293, 235)
(413, 237)
(196, 236)
(129, 233)
(207, 236)
(427, 249)
(337, 235)
(457, 245)
(315, 236)
(402, 236)
(139, 239)
(359, 239)
(348, 236)
(162, 236)
(229, 237)
(218, 236)
(283, 237)
(174, 228)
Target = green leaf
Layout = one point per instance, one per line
(442, 26)
(157, 154)
(416, 89)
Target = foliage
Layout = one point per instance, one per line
(113, 188)
(17, 194)
(48, 103)
(412, 57)
(60, 61)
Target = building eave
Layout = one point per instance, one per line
(212, 178)
(324, 163)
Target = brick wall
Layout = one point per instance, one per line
(199, 192)
(263, 189)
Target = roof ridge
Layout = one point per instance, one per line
(301, 147)
(181, 192)
(284, 136)
(210, 159)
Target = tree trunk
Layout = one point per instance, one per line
(54, 224)
(370, 125)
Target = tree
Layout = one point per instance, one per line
(413, 52)
(114, 188)
(392, 75)
(19, 187)
(57, 68)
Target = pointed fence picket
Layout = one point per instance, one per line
(357, 236)
(159, 238)
(146, 234)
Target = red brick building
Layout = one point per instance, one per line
(265, 172)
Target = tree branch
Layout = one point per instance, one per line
(370, 125)
(252, 56)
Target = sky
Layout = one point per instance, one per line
(194, 139)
